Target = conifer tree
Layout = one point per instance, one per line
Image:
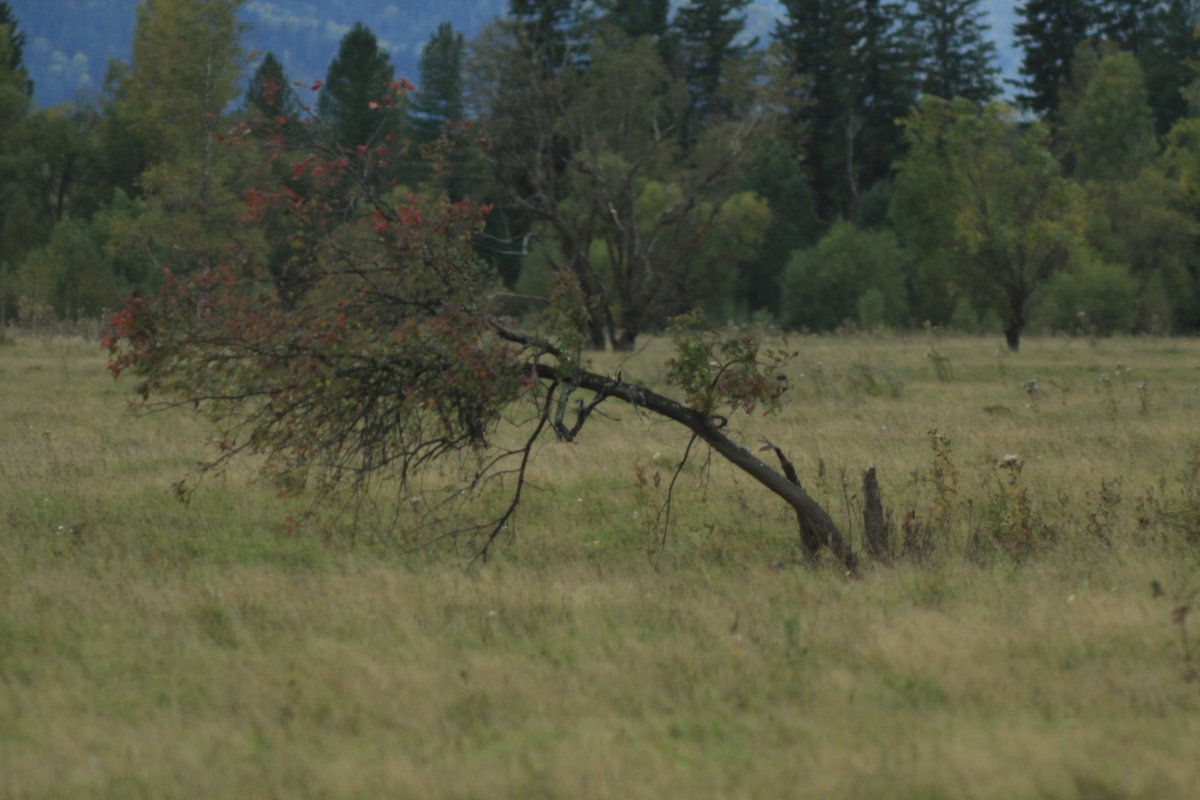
(13, 52)
(439, 98)
(858, 57)
(887, 92)
(707, 33)
(1170, 60)
(15, 204)
(1048, 32)
(958, 58)
(1128, 23)
(358, 100)
(551, 32)
(15, 88)
(638, 17)
(438, 114)
(270, 92)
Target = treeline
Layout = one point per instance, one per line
(855, 170)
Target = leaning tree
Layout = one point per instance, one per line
(385, 359)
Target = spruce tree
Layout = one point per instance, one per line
(706, 33)
(1128, 23)
(439, 98)
(887, 91)
(270, 93)
(13, 50)
(958, 57)
(858, 56)
(1048, 32)
(638, 17)
(358, 100)
(438, 109)
(1170, 60)
(552, 32)
(16, 37)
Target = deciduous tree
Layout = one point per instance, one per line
(587, 148)
(848, 270)
(1110, 128)
(391, 362)
(187, 61)
(985, 194)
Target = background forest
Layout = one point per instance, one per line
(848, 166)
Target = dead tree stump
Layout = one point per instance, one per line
(874, 523)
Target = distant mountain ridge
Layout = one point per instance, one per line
(70, 41)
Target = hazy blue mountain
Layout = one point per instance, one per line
(71, 41)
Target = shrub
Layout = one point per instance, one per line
(1106, 293)
(850, 274)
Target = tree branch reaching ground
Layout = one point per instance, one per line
(383, 357)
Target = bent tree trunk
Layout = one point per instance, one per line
(811, 515)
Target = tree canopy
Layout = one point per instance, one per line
(393, 359)
(659, 152)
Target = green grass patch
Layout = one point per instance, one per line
(1027, 641)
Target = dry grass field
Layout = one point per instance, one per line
(1032, 639)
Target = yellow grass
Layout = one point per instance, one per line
(154, 649)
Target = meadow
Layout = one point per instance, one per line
(1031, 637)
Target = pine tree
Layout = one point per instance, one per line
(958, 58)
(1048, 32)
(16, 206)
(358, 100)
(706, 32)
(270, 92)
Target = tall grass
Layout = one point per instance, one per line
(1029, 641)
